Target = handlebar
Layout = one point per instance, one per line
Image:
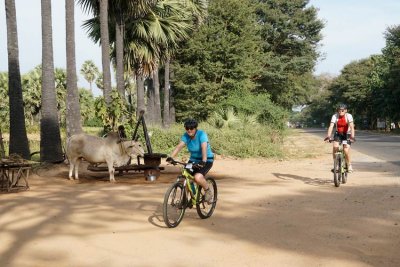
(175, 162)
(330, 140)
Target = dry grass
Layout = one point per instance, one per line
(298, 145)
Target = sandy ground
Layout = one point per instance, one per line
(269, 213)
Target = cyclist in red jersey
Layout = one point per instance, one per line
(344, 131)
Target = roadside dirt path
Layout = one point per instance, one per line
(269, 213)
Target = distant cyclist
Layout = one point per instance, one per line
(200, 153)
(344, 130)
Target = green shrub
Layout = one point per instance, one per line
(245, 142)
(260, 106)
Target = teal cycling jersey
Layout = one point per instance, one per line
(194, 146)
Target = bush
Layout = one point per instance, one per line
(244, 142)
(260, 106)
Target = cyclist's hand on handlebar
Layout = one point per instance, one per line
(327, 139)
(201, 164)
(352, 139)
(170, 160)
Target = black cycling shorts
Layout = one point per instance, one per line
(204, 170)
(341, 137)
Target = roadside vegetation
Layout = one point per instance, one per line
(237, 66)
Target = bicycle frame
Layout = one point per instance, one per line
(186, 183)
(340, 173)
(340, 150)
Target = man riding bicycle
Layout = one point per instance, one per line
(200, 153)
(344, 124)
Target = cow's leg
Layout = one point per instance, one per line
(111, 170)
(71, 168)
(77, 162)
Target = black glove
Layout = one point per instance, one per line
(326, 138)
(170, 160)
(201, 164)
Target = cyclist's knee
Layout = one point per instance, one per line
(198, 177)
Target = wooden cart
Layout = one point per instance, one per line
(150, 164)
(14, 175)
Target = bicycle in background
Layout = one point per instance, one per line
(185, 193)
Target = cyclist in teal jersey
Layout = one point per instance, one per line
(200, 153)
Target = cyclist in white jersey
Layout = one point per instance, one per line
(344, 130)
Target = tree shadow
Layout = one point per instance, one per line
(306, 180)
(311, 220)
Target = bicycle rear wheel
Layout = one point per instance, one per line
(205, 209)
(174, 205)
(337, 170)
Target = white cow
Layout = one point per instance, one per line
(111, 150)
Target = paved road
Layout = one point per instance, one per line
(385, 147)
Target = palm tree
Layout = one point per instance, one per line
(160, 27)
(89, 71)
(197, 10)
(32, 81)
(50, 139)
(105, 42)
(119, 12)
(157, 103)
(73, 113)
(18, 138)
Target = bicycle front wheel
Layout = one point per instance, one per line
(205, 209)
(174, 205)
(337, 170)
(344, 172)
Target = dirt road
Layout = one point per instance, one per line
(269, 213)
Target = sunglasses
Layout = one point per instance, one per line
(189, 128)
(341, 110)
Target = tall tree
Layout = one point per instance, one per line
(391, 54)
(140, 94)
(50, 139)
(291, 33)
(73, 113)
(222, 57)
(18, 138)
(105, 54)
(118, 12)
(157, 104)
(196, 12)
(159, 27)
(89, 71)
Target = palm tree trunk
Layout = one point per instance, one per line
(119, 45)
(50, 139)
(105, 44)
(149, 115)
(172, 115)
(166, 119)
(18, 138)
(157, 104)
(139, 94)
(72, 101)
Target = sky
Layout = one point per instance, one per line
(354, 29)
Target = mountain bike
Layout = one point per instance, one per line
(185, 193)
(339, 164)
